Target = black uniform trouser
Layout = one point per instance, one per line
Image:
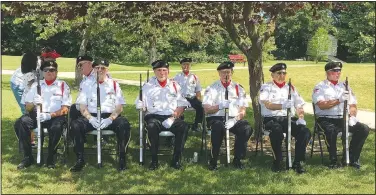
(332, 127)
(241, 129)
(278, 125)
(27, 122)
(81, 126)
(197, 105)
(154, 126)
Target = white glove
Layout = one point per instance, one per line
(230, 123)
(93, 121)
(343, 96)
(44, 116)
(301, 122)
(139, 105)
(168, 123)
(224, 104)
(287, 104)
(353, 120)
(105, 123)
(37, 99)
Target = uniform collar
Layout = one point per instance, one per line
(156, 82)
(279, 85)
(43, 82)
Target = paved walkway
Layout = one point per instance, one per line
(367, 117)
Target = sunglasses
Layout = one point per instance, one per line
(49, 70)
(279, 73)
(100, 67)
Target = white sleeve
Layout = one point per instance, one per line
(298, 100)
(67, 98)
(120, 99)
(198, 85)
(318, 94)
(207, 96)
(264, 93)
(242, 100)
(181, 101)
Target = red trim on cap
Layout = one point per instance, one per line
(280, 85)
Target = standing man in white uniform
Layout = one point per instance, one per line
(55, 99)
(163, 105)
(111, 103)
(215, 104)
(329, 96)
(191, 90)
(274, 103)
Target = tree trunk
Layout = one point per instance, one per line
(82, 51)
(256, 79)
(152, 49)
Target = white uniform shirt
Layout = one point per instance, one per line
(324, 91)
(271, 92)
(215, 93)
(189, 84)
(54, 96)
(17, 78)
(109, 98)
(162, 100)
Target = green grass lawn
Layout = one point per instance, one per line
(195, 179)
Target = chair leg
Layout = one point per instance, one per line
(262, 145)
(321, 152)
(313, 142)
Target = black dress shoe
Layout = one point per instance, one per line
(176, 165)
(355, 164)
(196, 127)
(298, 167)
(50, 162)
(333, 165)
(80, 164)
(122, 164)
(213, 165)
(277, 166)
(153, 166)
(26, 162)
(237, 164)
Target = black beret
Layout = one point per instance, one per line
(48, 64)
(333, 65)
(225, 65)
(278, 66)
(103, 62)
(83, 58)
(29, 62)
(159, 64)
(185, 60)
